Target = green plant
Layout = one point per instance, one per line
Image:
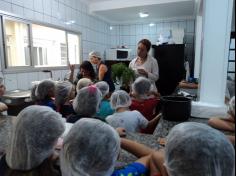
(121, 73)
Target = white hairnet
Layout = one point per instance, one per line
(103, 87)
(195, 149)
(63, 91)
(120, 99)
(33, 93)
(232, 106)
(90, 149)
(5, 129)
(35, 132)
(95, 54)
(87, 101)
(43, 89)
(142, 86)
(82, 83)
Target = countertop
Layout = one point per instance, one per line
(162, 130)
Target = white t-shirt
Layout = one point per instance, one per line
(132, 121)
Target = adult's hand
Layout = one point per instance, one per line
(72, 67)
(143, 72)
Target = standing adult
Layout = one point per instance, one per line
(145, 65)
(104, 73)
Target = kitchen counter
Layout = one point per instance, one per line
(162, 130)
(148, 140)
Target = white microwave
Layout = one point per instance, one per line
(118, 54)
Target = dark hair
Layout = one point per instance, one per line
(147, 43)
(86, 65)
(47, 168)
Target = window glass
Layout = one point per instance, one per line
(49, 46)
(45, 47)
(17, 44)
(73, 48)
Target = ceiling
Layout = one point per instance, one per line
(127, 11)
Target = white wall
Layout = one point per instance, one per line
(198, 47)
(233, 20)
(216, 39)
(131, 34)
(94, 30)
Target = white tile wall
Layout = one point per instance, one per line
(131, 34)
(95, 32)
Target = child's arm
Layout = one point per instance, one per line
(139, 150)
(222, 124)
(157, 164)
(153, 123)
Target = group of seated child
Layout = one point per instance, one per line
(92, 148)
(92, 100)
(93, 144)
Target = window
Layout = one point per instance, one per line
(73, 48)
(17, 44)
(44, 47)
(47, 42)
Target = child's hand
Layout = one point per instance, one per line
(121, 132)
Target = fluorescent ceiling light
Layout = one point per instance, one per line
(70, 22)
(143, 14)
(152, 24)
(111, 28)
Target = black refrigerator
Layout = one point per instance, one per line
(171, 60)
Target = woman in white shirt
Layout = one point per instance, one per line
(144, 64)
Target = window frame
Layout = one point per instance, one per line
(32, 68)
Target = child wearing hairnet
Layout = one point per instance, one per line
(194, 149)
(105, 106)
(3, 107)
(91, 148)
(65, 93)
(86, 103)
(45, 93)
(82, 83)
(30, 150)
(5, 130)
(132, 121)
(143, 102)
(228, 123)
